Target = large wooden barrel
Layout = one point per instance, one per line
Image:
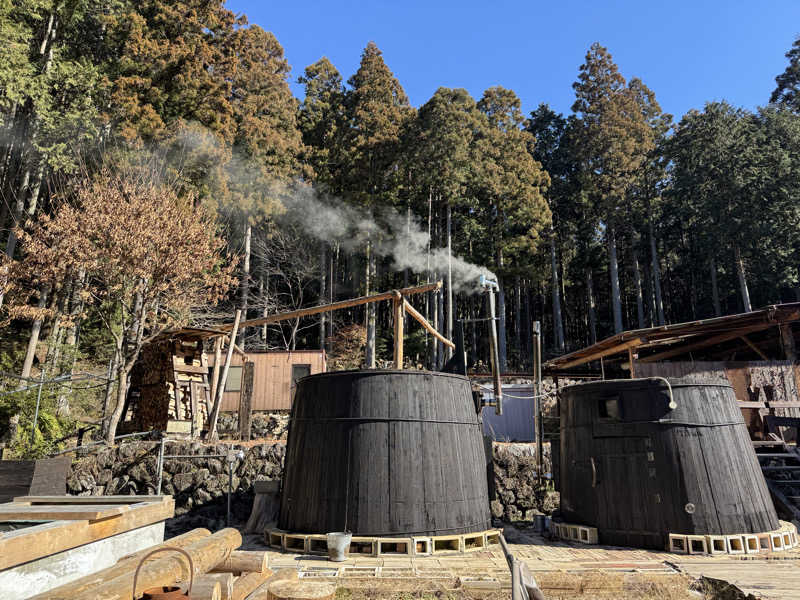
(638, 470)
(384, 453)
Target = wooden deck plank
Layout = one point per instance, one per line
(46, 512)
(24, 545)
(88, 499)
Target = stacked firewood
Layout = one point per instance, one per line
(221, 572)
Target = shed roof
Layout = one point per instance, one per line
(670, 341)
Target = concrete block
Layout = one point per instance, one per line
(318, 544)
(364, 546)
(393, 547)
(448, 543)
(776, 542)
(275, 538)
(787, 540)
(751, 544)
(677, 544)
(717, 544)
(764, 543)
(44, 574)
(423, 546)
(697, 544)
(295, 542)
(474, 541)
(735, 544)
(587, 535)
(573, 533)
(492, 538)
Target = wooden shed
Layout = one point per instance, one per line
(275, 373)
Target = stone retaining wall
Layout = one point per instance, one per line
(200, 485)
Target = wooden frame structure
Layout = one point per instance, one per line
(669, 341)
(206, 396)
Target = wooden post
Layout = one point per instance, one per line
(399, 315)
(246, 400)
(498, 389)
(537, 397)
(632, 357)
(217, 367)
(212, 419)
(787, 340)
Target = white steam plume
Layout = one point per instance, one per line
(405, 243)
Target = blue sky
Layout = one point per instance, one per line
(687, 52)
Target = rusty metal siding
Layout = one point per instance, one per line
(272, 388)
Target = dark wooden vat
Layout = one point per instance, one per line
(384, 453)
(638, 470)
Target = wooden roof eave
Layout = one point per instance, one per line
(652, 337)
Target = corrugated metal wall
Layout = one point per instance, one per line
(516, 424)
(272, 379)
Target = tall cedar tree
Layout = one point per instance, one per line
(377, 109)
(615, 141)
(511, 187)
(787, 90)
(444, 133)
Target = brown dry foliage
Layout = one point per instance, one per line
(134, 237)
(347, 348)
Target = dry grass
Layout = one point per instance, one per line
(555, 585)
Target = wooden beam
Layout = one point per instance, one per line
(754, 348)
(399, 317)
(603, 353)
(30, 543)
(424, 322)
(217, 367)
(315, 310)
(212, 418)
(246, 401)
(717, 339)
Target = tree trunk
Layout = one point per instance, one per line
(613, 268)
(33, 340)
(742, 280)
(637, 277)
(245, 285)
(591, 307)
(502, 341)
(449, 280)
(656, 269)
(122, 391)
(558, 322)
(715, 288)
(370, 309)
(16, 213)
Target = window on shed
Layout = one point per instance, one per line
(234, 381)
(608, 408)
(300, 371)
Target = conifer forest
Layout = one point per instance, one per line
(157, 171)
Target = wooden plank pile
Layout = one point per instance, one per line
(221, 572)
(70, 521)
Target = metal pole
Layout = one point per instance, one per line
(160, 464)
(36, 412)
(498, 390)
(537, 397)
(230, 490)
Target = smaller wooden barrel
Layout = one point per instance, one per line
(384, 453)
(638, 470)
